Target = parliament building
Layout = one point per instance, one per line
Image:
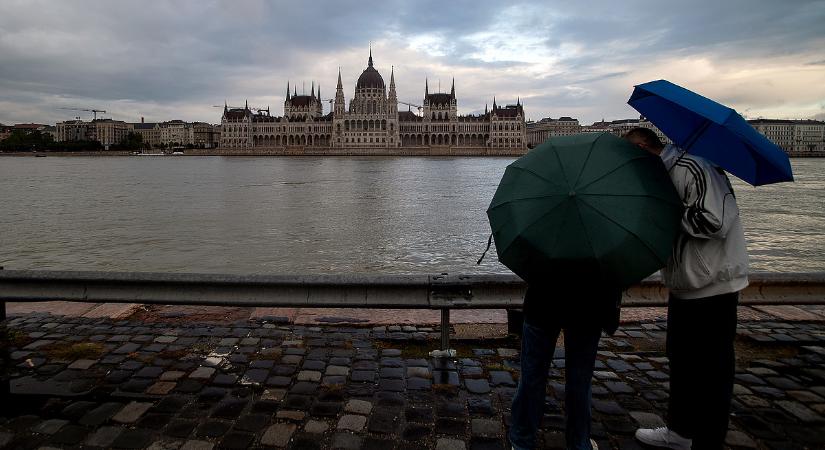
(373, 121)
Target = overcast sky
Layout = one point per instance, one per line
(166, 60)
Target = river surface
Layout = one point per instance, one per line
(309, 215)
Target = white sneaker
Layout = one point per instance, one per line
(663, 437)
(593, 444)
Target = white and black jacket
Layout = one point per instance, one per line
(710, 256)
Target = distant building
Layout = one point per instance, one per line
(204, 135)
(622, 126)
(148, 131)
(793, 135)
(177, 133)
(106, 131)
(538, 132)
(373, 121)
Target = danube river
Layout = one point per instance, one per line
(313, 215)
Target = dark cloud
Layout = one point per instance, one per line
(184, 55)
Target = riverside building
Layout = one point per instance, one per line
(372, 122)
(798, 136)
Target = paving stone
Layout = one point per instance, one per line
(100, 414)
(291, 415)
(316, 427)
(739, 439)
(212, 429)
(165, 444)
(414, 433)
(346, 441)
(149, 372)
(391, 372)
(325, 409)
(236, 440)
(384, 420)
(230, 409)
(608, 407)
(252, 422)
(278, 435)
(477, 386)
(351, 422)
(225, 379)
(180, 428)
(358, 407)
(83, 364)
(153, 421)
(50, 426)
(450, 444)
(363, 376)
(202, 373)
(172, 375)
(647, 420)
(619, 387)
(161, 388)
(501, 378)
(131, 412)
(800, 411)
(70, 435)
(127, 348)
(445, 377)
(418, 384)
(309, 375)
(450, 426)
(337, 371)
(486, 428)
(104, 436)
(391, 385)
(197, 445)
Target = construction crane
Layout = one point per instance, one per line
(410, 104)
(93, 111)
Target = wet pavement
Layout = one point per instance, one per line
(263, 381)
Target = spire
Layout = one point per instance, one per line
(312, 93)
(295, 90)
(518, 101)
(287, 90)
(452, 89)
(369, 64)
(319, 91)
(426, 88)
(485, 108)
(246, 105)
(340, 86)
(494, 103)
(225, 106)
(392, 77)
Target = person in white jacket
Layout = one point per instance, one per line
(705, 272)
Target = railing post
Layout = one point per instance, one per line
(445, 329)
(2, 306)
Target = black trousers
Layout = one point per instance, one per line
(700, 334)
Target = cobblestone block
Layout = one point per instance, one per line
(450, 444)
(50, 426)
(131, 412)
(351, 422)
(486, 428)
(278, 435)
(104, 437)
(202, 373)
(358, 407)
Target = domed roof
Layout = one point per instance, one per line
(370, 78)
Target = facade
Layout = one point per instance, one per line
(149, 132)
(372, 120)
(798, 136)
(622, 126)
(538, 132)
(106, 131)
(176, 133)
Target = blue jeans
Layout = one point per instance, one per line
(537, 347)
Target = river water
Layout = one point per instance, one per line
(310, 215)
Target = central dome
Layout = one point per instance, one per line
(370, 78)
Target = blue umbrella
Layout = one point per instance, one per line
(713, 131)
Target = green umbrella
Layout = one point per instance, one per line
(591, 206)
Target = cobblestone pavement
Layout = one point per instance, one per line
(85, 382)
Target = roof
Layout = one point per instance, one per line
(407, 116)
(144, 126)
(237, 113)
(439, 99)
(786, 121)
(302, 100)
(508, 111)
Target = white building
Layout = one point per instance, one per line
(793, 135)
(538, 132)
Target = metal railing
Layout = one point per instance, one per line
(444, 292)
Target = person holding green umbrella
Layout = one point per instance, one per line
(579, 218)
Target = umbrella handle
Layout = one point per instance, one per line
(489, 242)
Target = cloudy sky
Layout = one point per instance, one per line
(166, 60)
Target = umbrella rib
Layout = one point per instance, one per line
(514, 200)
(530, 171)
(608, 173)
(644, 242)
(589, 153)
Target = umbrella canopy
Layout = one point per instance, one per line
(590, 205)
(715, 132)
